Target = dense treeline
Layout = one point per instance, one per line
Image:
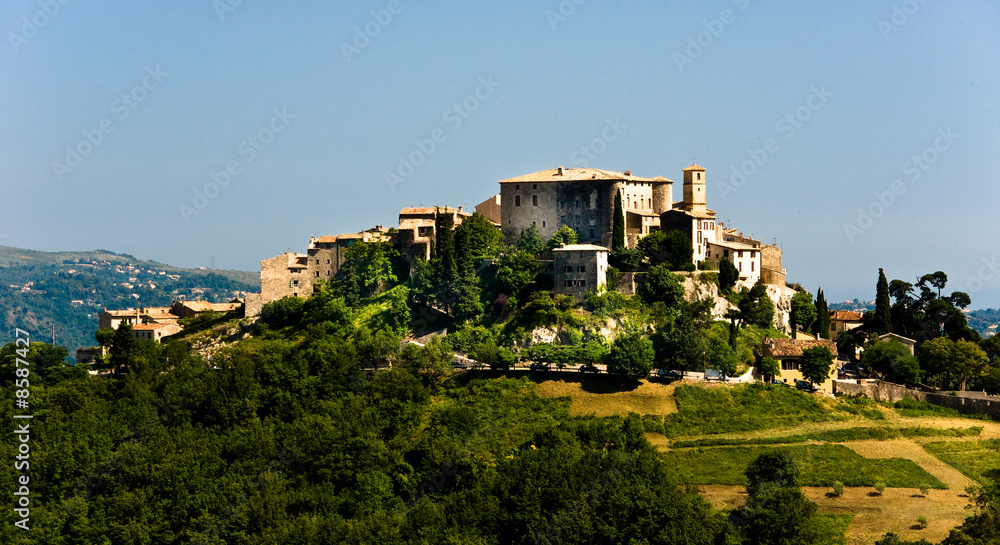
(285, 439)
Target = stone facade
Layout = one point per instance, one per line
(964, 402)
(155, 332)
(490, 208)
(843, 320)
(579, 269)
(582, 198)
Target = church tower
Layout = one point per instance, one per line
(694, 188)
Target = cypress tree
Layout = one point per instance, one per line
(883, 314)
(618, 230)
(821, 327)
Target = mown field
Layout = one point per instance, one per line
(925, 456)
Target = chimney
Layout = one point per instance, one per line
(628, 172)
(459, 209)
(559, 171)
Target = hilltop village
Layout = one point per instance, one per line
(580, 198)
(599, 225)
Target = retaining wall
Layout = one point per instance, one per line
(964, 402)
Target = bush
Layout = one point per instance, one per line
(924, 489)
(880, 486)
(922, 522)
(838, 488)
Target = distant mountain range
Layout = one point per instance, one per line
(68, 290)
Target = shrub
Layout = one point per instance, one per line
(922, 522)
(838, 488)
(924, 489)
(880, 486)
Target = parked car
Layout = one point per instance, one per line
(540, 367)
(779, 383)
(589, 369)
(805, 385)
(458, 364)
(669, 374)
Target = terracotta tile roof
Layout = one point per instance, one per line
(579, 175)
(413, 223)
(846, 316)
(794, 348)
(735, 245)
(326, 239)
(698, 214)
(693, 167)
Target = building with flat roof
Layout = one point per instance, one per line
(579, 269)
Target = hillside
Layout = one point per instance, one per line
(68, 290)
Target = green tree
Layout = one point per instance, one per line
(104, 335)
(815, 364)
(952, 363)
(367, 270)
(728, 275)
(883, 315)
(123, 346)
(631, 355)
(531, 241)
(892, 360)
(821, 327)
(803, 312)
(464, 297)
(432, 361)
(477, 238)
(673, 248)
(618, 227)
(564, 235)
(776, 510)
(769, 368)
(444, 244)
(661, 285)
(516, 272)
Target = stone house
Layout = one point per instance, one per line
(155, 332)
(844, 320)
(907, 342)
(579, 269)
(581, 198)
(788, 352)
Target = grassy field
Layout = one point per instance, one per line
(749, 407)
(830, 529)
(978, 460)
(708, 434)
(819, 465)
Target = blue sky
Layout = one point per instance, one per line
(861, 134)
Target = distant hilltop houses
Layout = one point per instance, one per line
(581, 198)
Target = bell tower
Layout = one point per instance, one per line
(694, 188)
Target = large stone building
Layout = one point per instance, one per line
(584, 199)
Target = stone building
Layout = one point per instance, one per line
(418, 229)
(712, 241)
(490, 208)
(844, 320)
(155, 332)
(788, 353)
(584, 199)
(579, 269)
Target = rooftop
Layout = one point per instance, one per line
(580, 248)
(694, 167)
(794, 348)
(580, 175)
(846, 316)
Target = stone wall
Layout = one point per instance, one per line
(964, 402)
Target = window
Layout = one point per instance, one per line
(699, 237)
(517, 187)
(569, 268)
(534, 200)
(569, 283)
(517, 200)
(543, 223)
(317, 274)
(295, 283)
(534, 186)
(583, 283)
(741, 266)
(581, 268)
(789, 365)
(591, 232)
(328, 261)
(328, 273)
(751, 266)
(739, 253)
(562, 219)
(649, 203)
(698, 175)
